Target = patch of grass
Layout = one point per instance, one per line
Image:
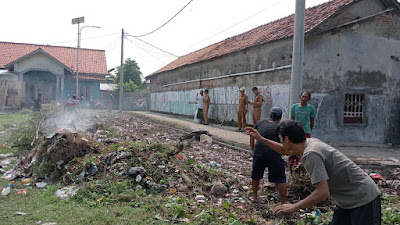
(13, 119)
(43, 205)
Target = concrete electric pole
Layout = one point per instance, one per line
(121, 74)
(296, 85)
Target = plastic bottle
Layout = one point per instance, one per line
(6, 191)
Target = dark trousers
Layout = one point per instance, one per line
(369, 214)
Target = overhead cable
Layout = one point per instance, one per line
(142, 35)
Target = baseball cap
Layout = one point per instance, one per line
(276, 110)
(242, 89)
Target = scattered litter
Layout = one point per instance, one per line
(376, 176)
(394, 159)
(205, 139)
(8, 155)
(6, 191)
(219, 189)
(40, 184)
(20, 213)
(213, 164)
(134, 171)
(66, 192)
(27, 180)
(22, 192)
(139, 187)
(138, 178)
(92, 170)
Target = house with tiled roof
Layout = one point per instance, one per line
(351, 66)
(51, 71)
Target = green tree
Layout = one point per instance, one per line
(130, 86)
(132, 75)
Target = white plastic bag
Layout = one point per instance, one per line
(196, 120)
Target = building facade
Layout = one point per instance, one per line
(51, 71)
(351, 66)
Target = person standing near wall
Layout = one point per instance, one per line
(257, 103)
(206, 106)
(242, 109)
(37, 103)
(200, 99)
(305, 114)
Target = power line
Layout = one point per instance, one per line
(145, 50)
(83, 39)
(234, 25)
(113, 47)
(137, 36)
(152, 45)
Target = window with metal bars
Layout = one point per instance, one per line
(354, 108)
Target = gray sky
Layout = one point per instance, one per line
(202, 23)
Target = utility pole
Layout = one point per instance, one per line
(78, 21)
(121, 74)
(296, 85)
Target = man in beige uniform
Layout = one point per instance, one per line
(257, 103)
(206, 106)
(242, 110)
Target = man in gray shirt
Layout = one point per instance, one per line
(331, 173)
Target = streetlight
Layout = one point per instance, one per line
(78, 21)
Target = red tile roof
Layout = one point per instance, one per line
(91, 61)
(279, 29)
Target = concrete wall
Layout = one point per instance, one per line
(136, 101)
(355, 59)
(224, 102)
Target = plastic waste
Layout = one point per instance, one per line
(40, 184)
(6, 191)
(27, 180)
(138, 178)
(22, 192)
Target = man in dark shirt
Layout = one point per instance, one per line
(265, 157)
(37, 103)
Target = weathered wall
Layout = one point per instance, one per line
(358, 58)
(39, 62)
(136, 101)
(224, 101)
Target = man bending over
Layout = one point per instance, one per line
(332, 174)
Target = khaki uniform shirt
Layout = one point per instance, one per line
(258, 98)
(243, 100)
(206, 100)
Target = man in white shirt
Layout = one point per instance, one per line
(199, 99)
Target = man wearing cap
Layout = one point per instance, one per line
(264, 156)
(206, 106)
(200, 102)
(257, 103)
(242, 109)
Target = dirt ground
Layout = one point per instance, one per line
(151, 153)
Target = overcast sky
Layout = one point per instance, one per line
(202, 23)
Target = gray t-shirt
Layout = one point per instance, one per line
(348, 184)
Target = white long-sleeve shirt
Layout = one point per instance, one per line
(199, 100)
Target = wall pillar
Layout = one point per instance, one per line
(58, 88)
(62, 88)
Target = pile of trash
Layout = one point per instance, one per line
(48, 160)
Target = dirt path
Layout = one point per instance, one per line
(362, 153)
